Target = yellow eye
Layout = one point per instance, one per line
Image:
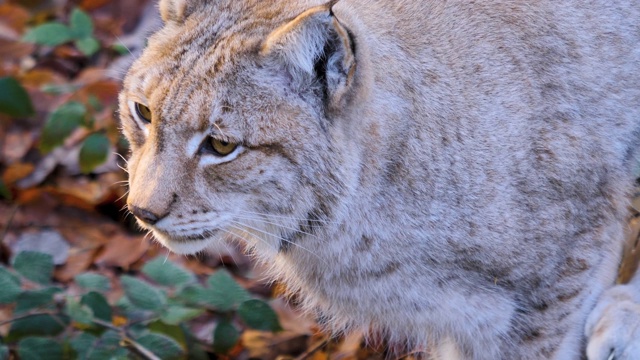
(143, 112)
(222, 148)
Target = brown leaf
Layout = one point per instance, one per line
(13, 54)
(16, 172)
(14, 17)
(105, 90)
(36, 78)
(78, 262)
(93, 4)
(68, 52)
(17, 143)
(631, 251)
(90, 191)
(123, 250)
(5, 313)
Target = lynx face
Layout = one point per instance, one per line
(219, 130)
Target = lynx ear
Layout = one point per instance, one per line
(315, 45)
(176, 10)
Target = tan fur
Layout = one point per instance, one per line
(446, 173)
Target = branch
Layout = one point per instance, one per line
(312, 349)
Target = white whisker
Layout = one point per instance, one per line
(266, 221)
(246, 232)
(289, 217)
(122, 197)
(122, 157)
(275, 236)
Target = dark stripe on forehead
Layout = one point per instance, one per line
(175, 109)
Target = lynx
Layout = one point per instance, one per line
(452, 175)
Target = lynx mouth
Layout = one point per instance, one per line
(185, 244)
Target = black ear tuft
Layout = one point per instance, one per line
(315, 44)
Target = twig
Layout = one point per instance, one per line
(312, 349)
(24, 316)
(14, 210)
(144, 352)
(108, 325)
(139, 348)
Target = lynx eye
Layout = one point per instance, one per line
(143, 112)
(219, 147)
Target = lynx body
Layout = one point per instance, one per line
(453, 174)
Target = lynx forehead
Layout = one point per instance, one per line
(454, 175)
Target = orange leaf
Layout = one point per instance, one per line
(16, 172)
(36, 78)
(123, 250)
(93, 4)
(119, 320)
(78, 262)
(14, 16)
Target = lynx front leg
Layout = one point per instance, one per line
(613, 328)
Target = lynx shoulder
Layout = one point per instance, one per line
(454, 175)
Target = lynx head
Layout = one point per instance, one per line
(233, 115)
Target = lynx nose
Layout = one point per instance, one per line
(144, 215)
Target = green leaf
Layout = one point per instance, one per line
(142, 295)
(161, 345)
(51, 34)
(175, 315)
(35, 266)
(98, 305)
(61, 124)
(110, 339)
(87, 46)
(224, 292)
(173, 331)
(121, 49)
(84, 344)
(195, 350)
(93, 281)
(14, 99)
(95, 103)
(4, 191)
(194, 293)
(4, 352)
(107, 347)
(78, 312)
(45, 325)
(32, 299)
(167, 273)
(37, 348)
(80, 24)
(56, 89)
(94, 152)
(10, 285)
(258, 315)
(225, 336)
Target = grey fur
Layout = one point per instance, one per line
(466, 166)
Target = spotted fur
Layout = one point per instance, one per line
(452, 174)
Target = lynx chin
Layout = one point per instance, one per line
(454, 175)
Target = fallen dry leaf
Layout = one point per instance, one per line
(79, 261)
(123, 250)
(14, 17)
(16, 172)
